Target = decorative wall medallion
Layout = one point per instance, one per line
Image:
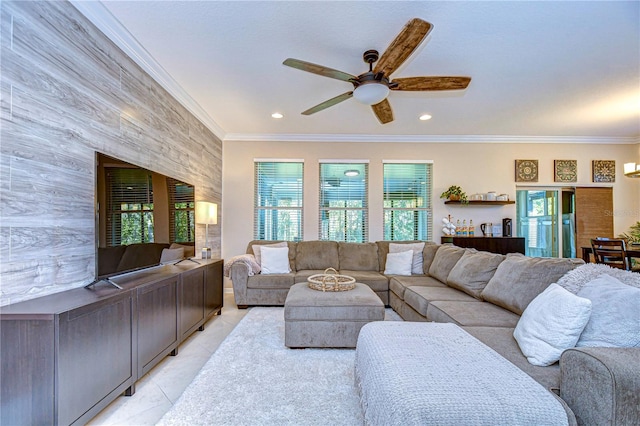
(565, 170)
(604, 170)
(526, 170)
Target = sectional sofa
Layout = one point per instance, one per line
(483, 293)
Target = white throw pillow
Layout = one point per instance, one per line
(417, 248)
(550, 324)
(258, 247)
(399, 263)
(275, 260)
(170, 255)
(615, 314)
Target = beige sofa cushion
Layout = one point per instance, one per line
(358, 256)
(471, 313)
(473, 271)
(519, 279)
(429, 252)
(399, 284)
(443, 262)
(317, 255)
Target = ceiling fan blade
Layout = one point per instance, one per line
(319, 69)
(404, 44)
(431, 83)
(383, 112)
(329, 103)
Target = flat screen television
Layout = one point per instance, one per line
(139, 213)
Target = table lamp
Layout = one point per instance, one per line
(207, 214)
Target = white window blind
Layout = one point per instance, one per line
(181, 211)
(343, 204)
(407, 201)
(278, 200)
(129, 206)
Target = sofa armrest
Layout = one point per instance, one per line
(239, 274)
(602, 385)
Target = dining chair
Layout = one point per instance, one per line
(611, 251)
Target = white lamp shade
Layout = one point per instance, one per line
(371, 93)
(206, 213)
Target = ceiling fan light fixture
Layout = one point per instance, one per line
(632, 170)
(371, 93)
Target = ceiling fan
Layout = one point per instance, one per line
(372, 87)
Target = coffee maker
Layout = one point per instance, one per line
(507, 227)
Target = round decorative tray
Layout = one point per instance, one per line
(331, 281)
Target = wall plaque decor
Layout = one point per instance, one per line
(565, 170)
(604, 170)
(526, 170)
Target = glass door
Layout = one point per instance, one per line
(546, 220)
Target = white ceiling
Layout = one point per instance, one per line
(540, 70)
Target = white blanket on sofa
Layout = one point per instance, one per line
(247, 259)
(431, 373)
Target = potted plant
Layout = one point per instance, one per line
(455, 193)
(633, 235)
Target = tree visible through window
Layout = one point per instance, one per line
(181, 211)
(278, 200)
(407, 201)
(130, 206)
(344, 202)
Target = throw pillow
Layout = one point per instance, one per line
(275, 260)
(575, 279)
(417, 248)
(258, 247)
(551, 324)
(399, 263)
(170, 255)
(615, 314)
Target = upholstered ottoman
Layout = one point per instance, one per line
(316, 319)
(411, 373)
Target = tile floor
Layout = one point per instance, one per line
(162, 386)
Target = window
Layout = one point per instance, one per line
(181, 211)
(344, 202)
(407, 201)
(129, 206)
(278, 200)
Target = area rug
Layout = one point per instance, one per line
(253, 379)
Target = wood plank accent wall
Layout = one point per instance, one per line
(67, 91)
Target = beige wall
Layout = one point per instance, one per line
(477, 167)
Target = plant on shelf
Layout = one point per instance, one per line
(633, 235)
(455, 193)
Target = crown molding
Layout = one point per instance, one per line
(274, 137)
(102, 18)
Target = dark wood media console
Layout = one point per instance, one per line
(500, 245)
(68, 355)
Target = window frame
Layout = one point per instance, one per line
(421, 211)
(350, 213)
(261, 229)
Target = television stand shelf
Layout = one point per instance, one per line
(68, 355)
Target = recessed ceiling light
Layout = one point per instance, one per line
(277, 115)
(425, 117)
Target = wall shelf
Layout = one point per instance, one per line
(482, 202)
